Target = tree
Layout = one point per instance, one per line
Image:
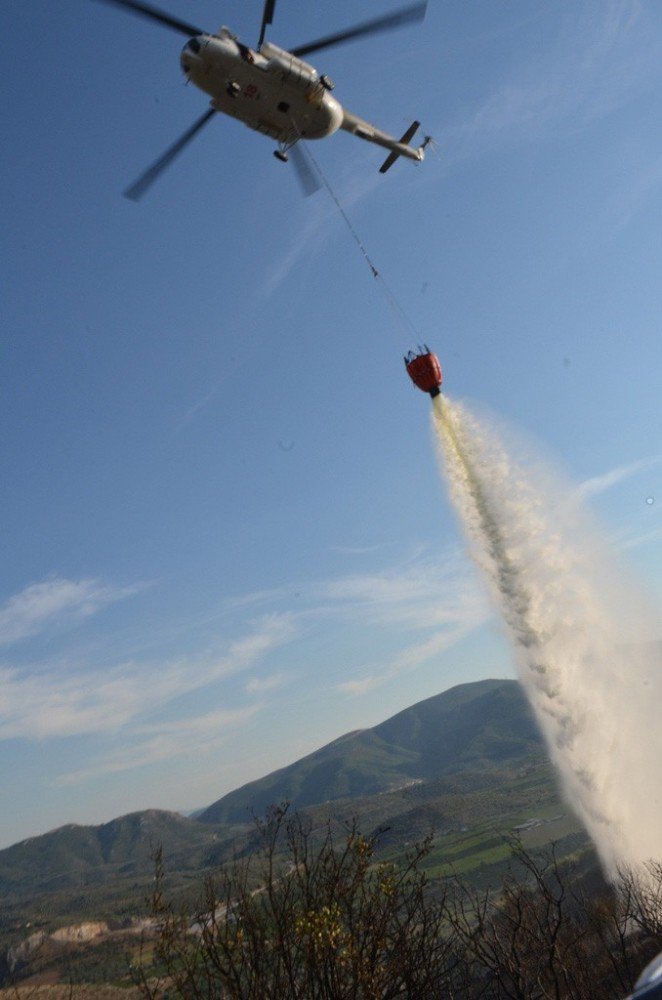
(548, 935)
(309, 918)
(318, 916)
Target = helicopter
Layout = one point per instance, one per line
(272, 90)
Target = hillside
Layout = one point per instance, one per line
(472, 727)
(466, 767)
(76, 857)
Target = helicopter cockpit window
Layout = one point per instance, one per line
(194, 45)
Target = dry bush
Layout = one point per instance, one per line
(320, 917)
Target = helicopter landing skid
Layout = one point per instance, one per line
(286, 144)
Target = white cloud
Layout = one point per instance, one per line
(167, 741)
(626, 544)
(261, 685)
(357, 550)
(56, 703)
(600, 484)
(54, 602)
(273, 629)
(361, 686)
(419, 591)
(435, 600)
(603, 56)
(412, 656)
(427, 594)
(422, 595)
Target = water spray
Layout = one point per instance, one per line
(595, 695)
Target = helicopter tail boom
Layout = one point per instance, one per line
(398, 147)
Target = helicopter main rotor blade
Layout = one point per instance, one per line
(416, 12)
(154, 14)
(267, 18)
(146, 179)
(308, 179)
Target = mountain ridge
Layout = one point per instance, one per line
(469, 729)
(462, 726)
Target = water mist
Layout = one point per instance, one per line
(595, 690)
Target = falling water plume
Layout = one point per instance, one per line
(564, 605)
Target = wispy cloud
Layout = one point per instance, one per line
(427, 594)
(303, 239)
(182, 738)
(53, 703)
(320, 212)
(356, 550)
(417, 592)
(415, 655)
(636, 541)
(56, 602)
(262, 685)
(603, 55)
(434, 598)
(419, 606)
(600, 484)
(203, 401)
(360, 686)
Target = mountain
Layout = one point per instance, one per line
(463, 771)
(76, 856)
(467, 733)
(477, 727)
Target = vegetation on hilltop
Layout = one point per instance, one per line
(483, 726)
(474, 733)
(310, 918)
(471, 771)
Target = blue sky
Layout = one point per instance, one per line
(225, 537)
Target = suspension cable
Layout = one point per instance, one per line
(403, 320)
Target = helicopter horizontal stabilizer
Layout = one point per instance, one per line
(404, 141)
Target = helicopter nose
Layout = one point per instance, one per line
(189, 54)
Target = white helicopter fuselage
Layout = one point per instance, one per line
(278, 94)
(270, 91)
